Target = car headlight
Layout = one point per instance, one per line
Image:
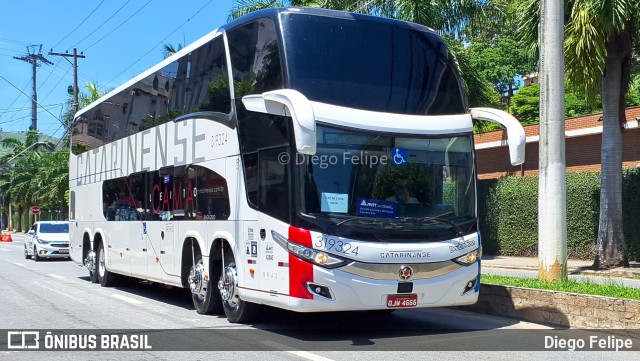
(469, 258)
(42, 241)
(320, 258)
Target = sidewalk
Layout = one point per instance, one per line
(574, 267)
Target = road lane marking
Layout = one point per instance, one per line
(127, 299)
(55, 276)
(19, 264)
(5, 249)
(60, 293)
(309, 356)
(299, 353)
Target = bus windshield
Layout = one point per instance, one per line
(383, 66)
(372, 182)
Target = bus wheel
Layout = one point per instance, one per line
(236, 310)
(106, 278)
(203, 293)
(90, 263)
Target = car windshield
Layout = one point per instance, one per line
(370, 181)
(54, 228)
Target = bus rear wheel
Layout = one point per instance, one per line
(204, 295)
(106, 278)
(236, 310)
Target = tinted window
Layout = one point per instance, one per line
(54, 228)
(255, 58)
(371, 64)
(196, 82)
(173, 193)
(263, 140)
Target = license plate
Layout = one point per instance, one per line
(63, 251)
(402, 301)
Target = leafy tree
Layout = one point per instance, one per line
(526, 103)
(599, 39)
(500, 60)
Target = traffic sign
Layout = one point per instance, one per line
(35, 209)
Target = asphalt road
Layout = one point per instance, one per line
(57, 294)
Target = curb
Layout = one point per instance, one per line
(574, 271)
(556, 308)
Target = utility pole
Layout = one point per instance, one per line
(35, 60)
(75, 57)
(552, 192)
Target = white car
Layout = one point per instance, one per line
(47, 239)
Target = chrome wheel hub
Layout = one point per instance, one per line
(196, 278)
(102, 268)
(228, 285)
(90, 261)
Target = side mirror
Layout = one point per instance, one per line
(291, 103)
(515, 132)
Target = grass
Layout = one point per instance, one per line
(583, 287)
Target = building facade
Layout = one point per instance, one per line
(583, 147)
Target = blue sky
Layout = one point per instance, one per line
(120, 39)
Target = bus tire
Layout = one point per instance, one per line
(236, 310)
(106, 278)
(210, 302)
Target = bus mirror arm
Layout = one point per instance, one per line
(291, 103)
(515, 132)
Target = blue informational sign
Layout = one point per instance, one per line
(399, 156)
(167, 179)
(376, 208)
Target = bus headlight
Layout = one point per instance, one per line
(469, 258)
(320, 258)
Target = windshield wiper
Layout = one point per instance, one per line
(459, 231)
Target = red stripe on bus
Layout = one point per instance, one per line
(300, 272)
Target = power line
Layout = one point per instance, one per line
(17, 109)
(162, 41)
(13, 42)
(101, 25)
(17, 97)
(82, 22)
(119, 25)
(10, 83)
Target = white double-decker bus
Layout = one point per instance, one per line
(306, 159)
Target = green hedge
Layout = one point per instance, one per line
(508, 211)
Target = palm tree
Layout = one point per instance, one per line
(455, 20)
(600, 35)
(169, 49)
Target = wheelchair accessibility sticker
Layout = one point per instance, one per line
(399, 156)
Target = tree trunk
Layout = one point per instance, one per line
(610, 245)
